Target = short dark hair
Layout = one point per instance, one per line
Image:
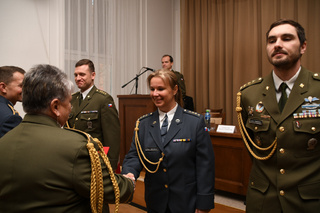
(6, 73)
(86, 62)
(43, 84)
(299, 28)
(171, 59)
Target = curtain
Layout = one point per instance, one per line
(223, 45)
(112, 34)
(88, 35)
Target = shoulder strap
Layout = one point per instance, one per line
(96, 186)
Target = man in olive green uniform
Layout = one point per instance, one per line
(47, 169)
(94, 111)
(167, 63)
(284, 128)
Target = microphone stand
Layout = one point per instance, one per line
(136, 79)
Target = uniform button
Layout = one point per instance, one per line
(252, 183)
(77, 119)
(164, 170)
(256, 128)
(281, 150)
(282, 171)
(313, 128)
(281, 192)
(165, 185)
(281, 129)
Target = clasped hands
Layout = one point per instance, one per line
(131, 177)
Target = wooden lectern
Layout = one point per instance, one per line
(131, 107)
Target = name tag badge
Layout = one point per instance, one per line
(151, 149)
(255, 122)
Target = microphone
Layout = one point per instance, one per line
(147, 68)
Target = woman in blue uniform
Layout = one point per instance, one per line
(175, 150)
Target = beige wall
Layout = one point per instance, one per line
(32, 32)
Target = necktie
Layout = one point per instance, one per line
(283, 98)
(80, 99)
(164, 128)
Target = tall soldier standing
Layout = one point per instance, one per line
(94, 111)
(283, 127)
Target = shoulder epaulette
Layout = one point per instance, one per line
(316, 76)
(86, 135)
(101, 92)
(76, 93)
(13, 110)
(250, 83)
(191, 112)
(145, 116)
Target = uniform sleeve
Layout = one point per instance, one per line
(82, 177)
(11, 122)
(131, 162)
(110, 126)
(205, 163)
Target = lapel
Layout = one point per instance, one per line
(154, 129)
(269, 99)
(85, 102)
(175, 126)
(296, 99)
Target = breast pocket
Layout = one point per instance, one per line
(260, 129)
(90, 119)
(308, 135)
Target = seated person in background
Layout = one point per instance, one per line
(45, 168)
(182, 181)
(167, 63)
(11, 78)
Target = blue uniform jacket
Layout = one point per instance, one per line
(185, 179)
(9, 117)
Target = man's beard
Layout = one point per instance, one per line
(285, 63)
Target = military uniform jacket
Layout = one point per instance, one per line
(185, 179)
(47, 169)
(98, 116)
(290, 179)
(9, 117)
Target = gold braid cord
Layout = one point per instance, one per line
(245, 135)
(96, 186)
(139, 150)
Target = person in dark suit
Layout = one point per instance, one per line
(178, 157)
(11, 78)
(282, 125)
(94, 112)
(167, 63)
(45, 168)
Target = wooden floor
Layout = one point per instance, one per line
(127, 208)
(138, 199)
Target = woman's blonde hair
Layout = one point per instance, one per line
(168, 77)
